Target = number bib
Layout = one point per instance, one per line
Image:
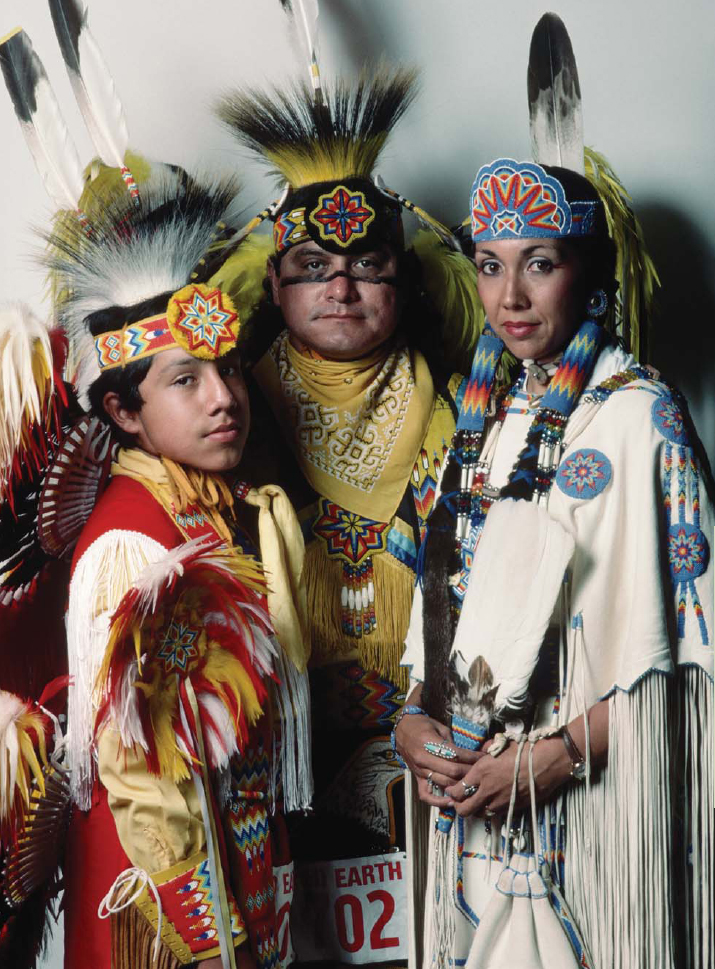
(351, 911)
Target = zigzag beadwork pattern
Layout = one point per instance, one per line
(576, 365)
(250, 834)
(481, 379)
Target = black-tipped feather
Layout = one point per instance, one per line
(69, 19)
(554, 97)
(41, 120)
(22, 70)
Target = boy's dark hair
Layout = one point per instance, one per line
(122, 381)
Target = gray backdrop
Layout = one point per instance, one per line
(647, 83)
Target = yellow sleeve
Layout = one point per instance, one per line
(160, 828)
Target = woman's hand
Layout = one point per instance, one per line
(494, 776)
(411, 735)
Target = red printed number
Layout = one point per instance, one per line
(358, 928)
(357, 923)
(377, 940)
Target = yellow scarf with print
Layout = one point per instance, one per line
(356, 426)
(179, 488)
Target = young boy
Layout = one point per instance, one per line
(180, 692)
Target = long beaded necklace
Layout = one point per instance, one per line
(534, 470)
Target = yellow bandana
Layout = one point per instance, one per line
(357, 426)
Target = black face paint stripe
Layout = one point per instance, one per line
(377, 281)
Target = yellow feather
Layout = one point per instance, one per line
(242, 275)
(636, 274)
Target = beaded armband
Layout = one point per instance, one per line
(188, 922)
(408, 710)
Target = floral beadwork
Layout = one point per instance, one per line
(584, 474)
(688, 552)
(668, 420)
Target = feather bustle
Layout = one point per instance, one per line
(233, 658)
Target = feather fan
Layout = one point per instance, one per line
(306, 142)
(201, 614)
(41, 121)
(91, 81)
(554, 97)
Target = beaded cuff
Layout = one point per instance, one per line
(188, 923)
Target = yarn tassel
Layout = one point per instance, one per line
(294, 759)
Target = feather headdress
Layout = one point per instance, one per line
(136, 253)
(556, 126)
(306, 141)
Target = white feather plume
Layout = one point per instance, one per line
(92, 83)
(25, 376)
(11, 709)
(41, 121)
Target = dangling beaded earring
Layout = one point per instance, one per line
(597, 304)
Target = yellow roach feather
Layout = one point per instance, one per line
(327, 161)
(306, 140)
(636, 274)
(242, 275)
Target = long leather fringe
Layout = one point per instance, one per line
(133, 942)
(382, 649)
(618, 855)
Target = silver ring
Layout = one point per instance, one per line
(440, 750)
(488, 813)
(429, 777)
(470, 789)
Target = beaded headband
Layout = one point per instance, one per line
(201, 320)
(348, 214)
(520, 200)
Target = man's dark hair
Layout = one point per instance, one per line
(122, 381)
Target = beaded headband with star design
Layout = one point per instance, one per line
(520, 200)
(199, 319)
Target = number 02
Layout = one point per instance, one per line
(377, 940)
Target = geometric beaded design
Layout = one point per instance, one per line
(584, 473)
(342, 216)
(518, 200)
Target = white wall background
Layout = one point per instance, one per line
(647, 81)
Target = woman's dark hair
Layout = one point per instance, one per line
(122, 381)
(598, 251)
